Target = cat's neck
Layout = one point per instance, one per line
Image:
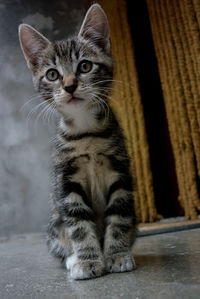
(82, 121)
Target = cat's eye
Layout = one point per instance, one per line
(52, 74)
(85, 66)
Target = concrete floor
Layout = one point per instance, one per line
(168, 266)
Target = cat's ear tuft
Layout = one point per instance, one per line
(95, 27)
(32, 44)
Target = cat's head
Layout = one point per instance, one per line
(73, 72)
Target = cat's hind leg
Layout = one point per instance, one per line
(58, 241)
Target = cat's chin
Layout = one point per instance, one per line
(75, 100)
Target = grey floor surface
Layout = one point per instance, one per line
(168, 266)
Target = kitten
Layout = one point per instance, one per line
(92, 225)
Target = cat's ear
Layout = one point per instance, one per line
(95, 27)
(32, 44)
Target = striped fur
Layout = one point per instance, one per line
(92, 225)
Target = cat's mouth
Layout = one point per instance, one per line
(75, 100)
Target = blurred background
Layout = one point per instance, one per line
(25, 160)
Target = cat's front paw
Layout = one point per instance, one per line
(120, 262)
(87, 269)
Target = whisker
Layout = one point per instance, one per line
(36, 97)
(46, 114)
(112, 80)
(32, 111)
(40, 114)
(103, 104)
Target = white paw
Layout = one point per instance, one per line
(120, 262)
(86, 269)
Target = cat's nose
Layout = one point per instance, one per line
(70, 88)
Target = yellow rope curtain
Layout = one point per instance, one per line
(175, 28)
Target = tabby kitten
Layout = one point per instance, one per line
(92, 224)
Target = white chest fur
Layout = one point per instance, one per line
(94, 169)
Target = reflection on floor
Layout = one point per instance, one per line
(167, 267)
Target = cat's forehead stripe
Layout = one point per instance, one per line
(58, 65)
(73, 49)
(53, 60)
(67, 49)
